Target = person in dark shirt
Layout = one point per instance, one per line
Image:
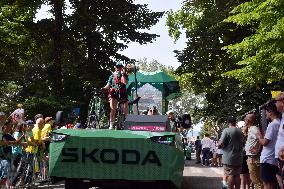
(198, 148)
(9, 139)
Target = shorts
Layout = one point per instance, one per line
(232, 170)
(245, 169)
(268, 172)
(121, 96)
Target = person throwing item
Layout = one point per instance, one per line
(117, 91)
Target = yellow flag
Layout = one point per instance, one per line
(275, 93)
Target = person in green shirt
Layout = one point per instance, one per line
(117, 91)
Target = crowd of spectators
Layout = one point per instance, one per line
(252, 156)
(24, 148)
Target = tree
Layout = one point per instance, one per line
(204, 61)
(260, 55)
(58, 40)
(61, 59)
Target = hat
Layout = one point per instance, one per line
(170, 112)
(119, 65)
(2, 113)
(20, 105)
(29, 122)
(47, 119)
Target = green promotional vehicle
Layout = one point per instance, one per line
(145, 152)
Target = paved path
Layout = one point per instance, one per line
(196, 176)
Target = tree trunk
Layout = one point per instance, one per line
(58, 45)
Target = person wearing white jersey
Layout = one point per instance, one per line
(253, 148)
(206, 143)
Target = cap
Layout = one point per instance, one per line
(170, 112)
(29, 122)
(2, 113)
(119, 65)
(47, 119)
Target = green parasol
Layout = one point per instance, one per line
(165, 83)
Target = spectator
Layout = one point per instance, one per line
(30, 150)
(37, 131)
(281, 169)
(268, 163)
(18, 116)
(253, 148)
(213, 152)
(17, 154)
(198, 149)
(4, 163)
(172, 119)
(29, 137)
(38, 116)
(231, 142)
(46, 139)
(153, 110)
(8, 138)
(46, 129)
(39, 145)
(245, 179)
(219, 157)
(280, 138)
(2, 118)
(206, 143)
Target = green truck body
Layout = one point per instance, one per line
(116, 155)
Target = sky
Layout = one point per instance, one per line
(162, 48)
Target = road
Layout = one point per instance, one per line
(196, 176)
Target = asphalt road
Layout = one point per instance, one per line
(196, 176)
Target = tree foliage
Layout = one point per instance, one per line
(261, 55)
(69, 52)
(204, 62)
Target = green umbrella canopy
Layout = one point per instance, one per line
(165, 83)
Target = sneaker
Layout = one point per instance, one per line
(110, 128)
